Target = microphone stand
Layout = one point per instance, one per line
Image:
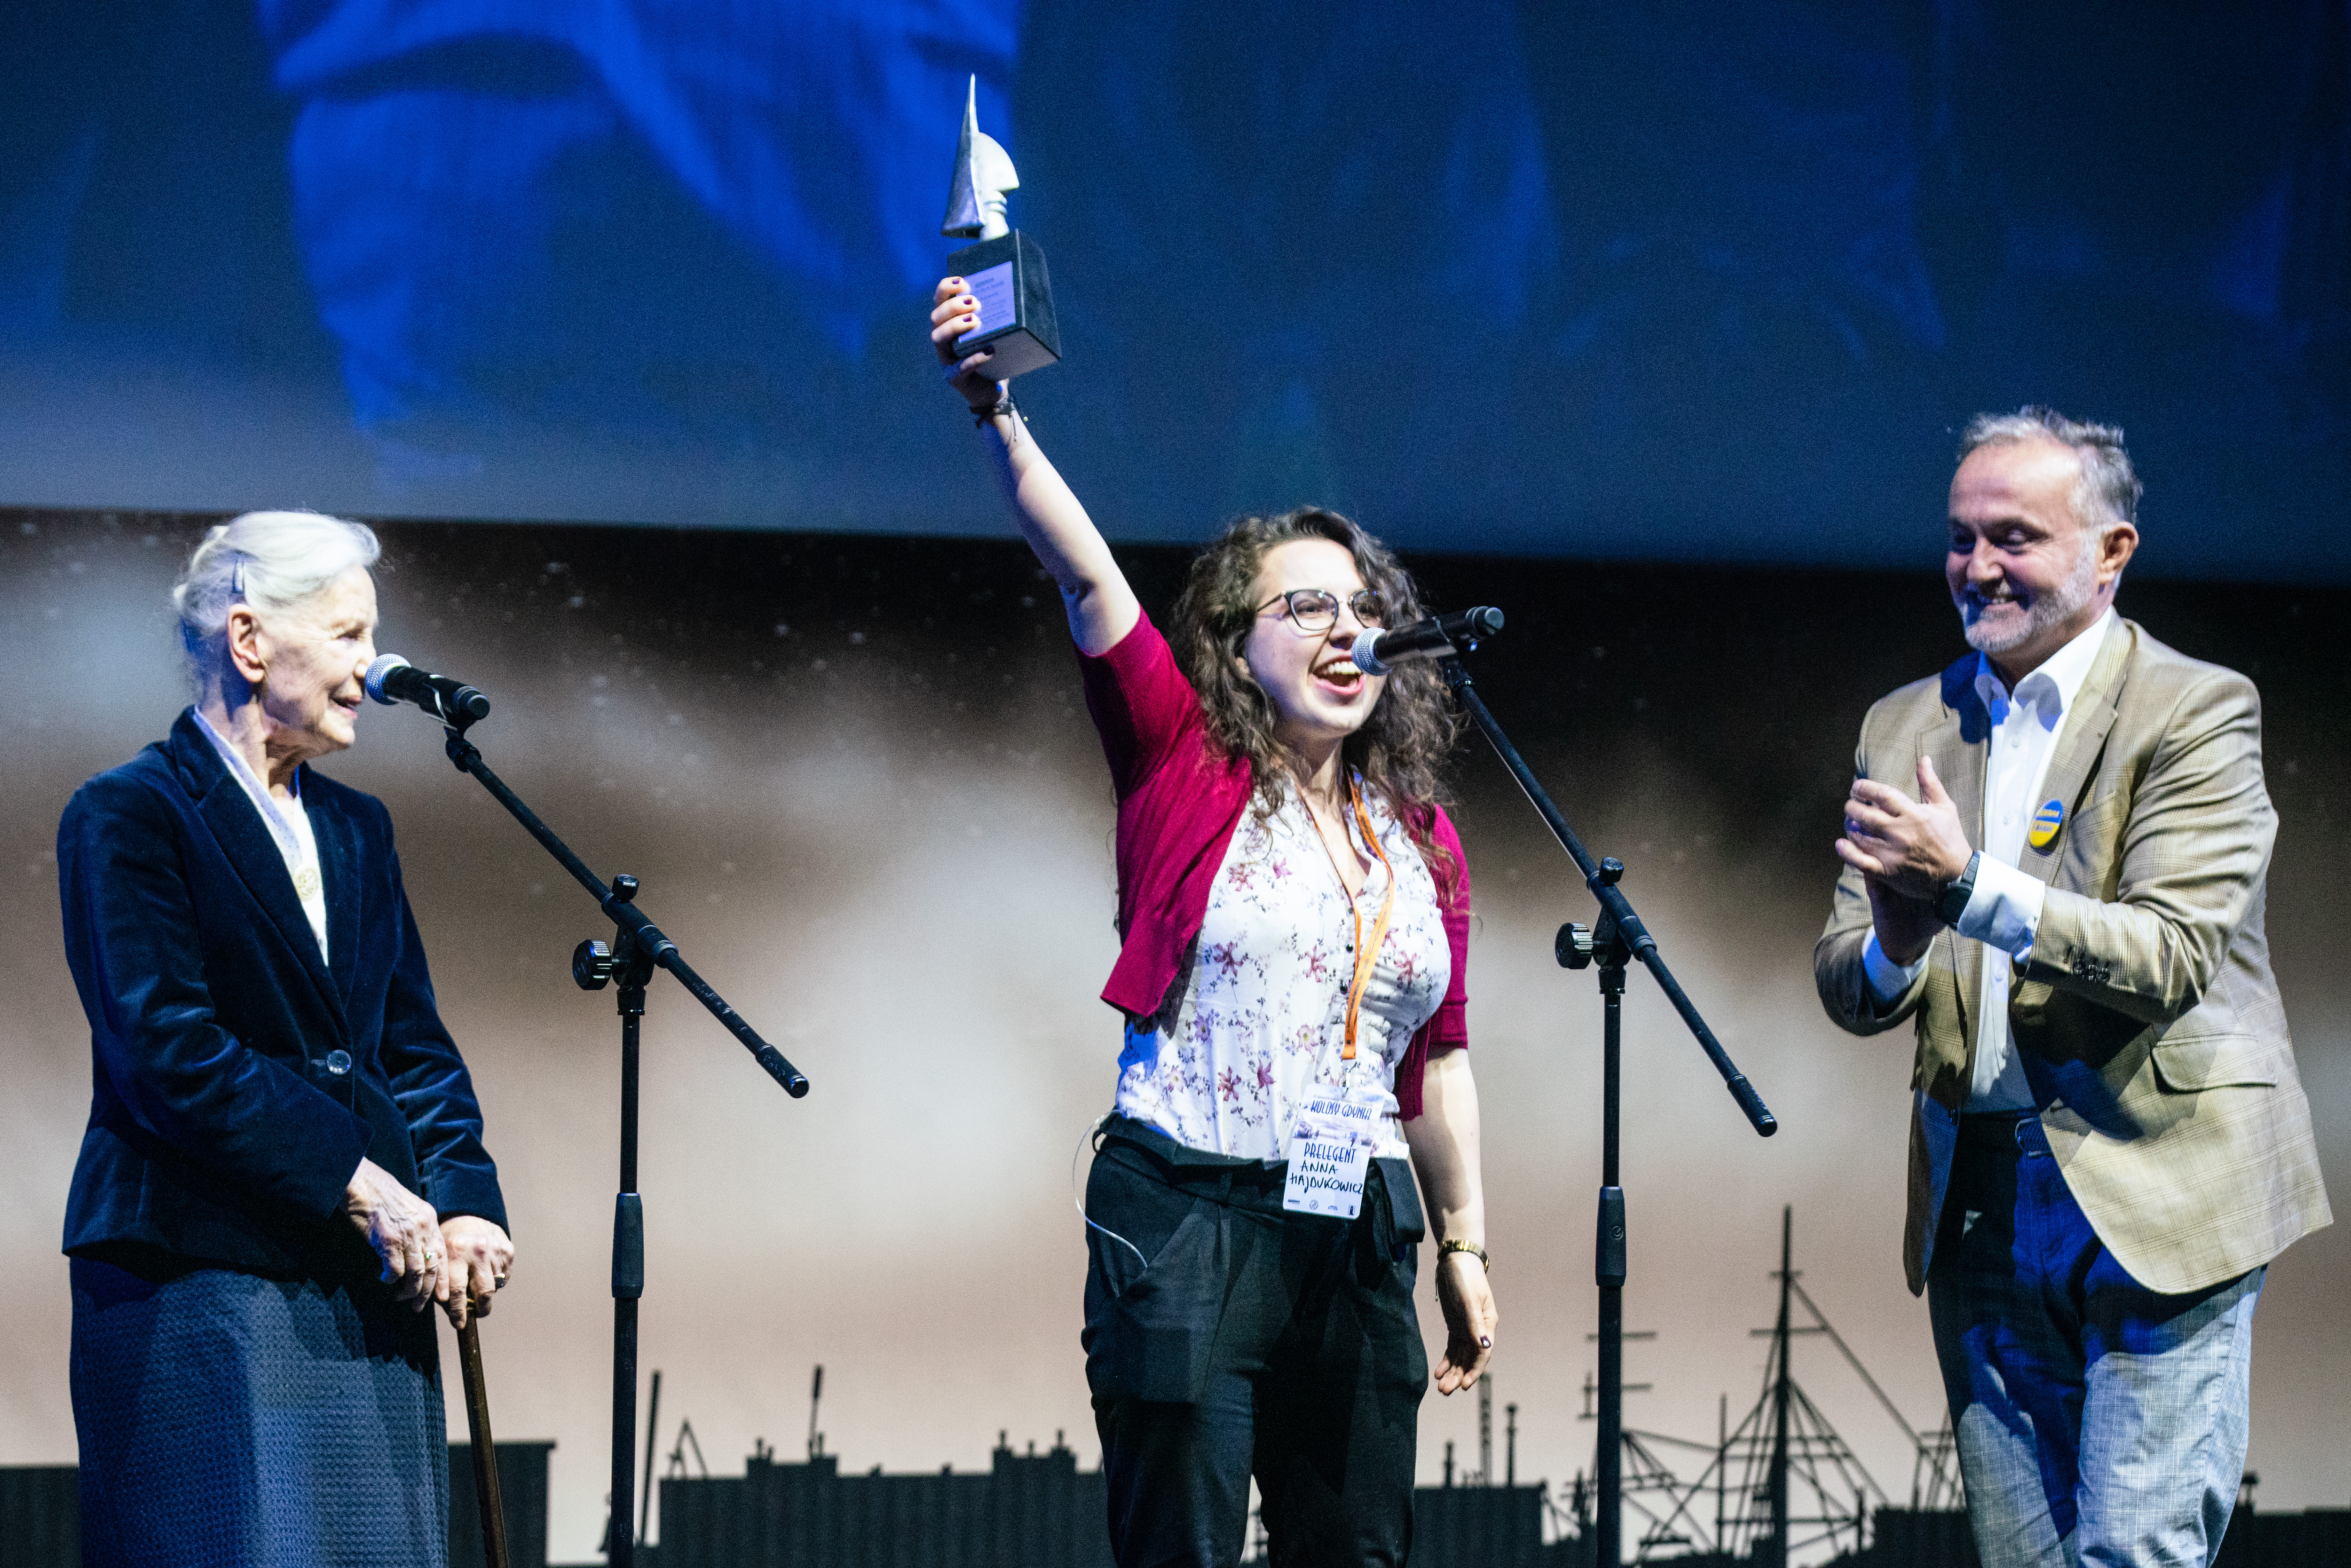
(1612, 943)
(637, 948)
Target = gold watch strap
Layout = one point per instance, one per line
(1455, 1244)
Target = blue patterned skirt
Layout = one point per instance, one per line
(228, 1420)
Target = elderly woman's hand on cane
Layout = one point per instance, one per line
(403, 1230)
(478, 1258)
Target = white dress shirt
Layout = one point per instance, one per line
(2005, 910)
(289, 827)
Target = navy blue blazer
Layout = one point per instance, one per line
(238, 1078)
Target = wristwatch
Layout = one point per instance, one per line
(1456, 1244)
(1953, 902)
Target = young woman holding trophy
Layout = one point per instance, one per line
(1293, 914)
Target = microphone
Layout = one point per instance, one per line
(393, 679)
(1440, 636)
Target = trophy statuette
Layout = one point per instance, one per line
(1005, 272)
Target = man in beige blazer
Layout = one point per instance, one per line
(2054, 857)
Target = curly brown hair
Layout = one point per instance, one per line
(1400, 751)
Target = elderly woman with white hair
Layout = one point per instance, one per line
(284, 1165)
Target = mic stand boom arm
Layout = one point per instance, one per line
(616, 900)
(1612, 941)
(637, 948)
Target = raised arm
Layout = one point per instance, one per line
(1102, 609)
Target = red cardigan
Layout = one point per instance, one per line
(1179, 799)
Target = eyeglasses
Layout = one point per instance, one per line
(1317, 608)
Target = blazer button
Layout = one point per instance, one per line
(339, 1062)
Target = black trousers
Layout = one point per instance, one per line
(1235, 1339)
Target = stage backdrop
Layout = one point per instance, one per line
(1575, 279)
(862, 793)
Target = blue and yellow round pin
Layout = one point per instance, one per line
(2046, 821)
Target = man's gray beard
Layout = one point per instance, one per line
(2050, 610)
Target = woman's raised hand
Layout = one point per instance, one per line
(954, 312)
(1102, 607)
(479, 1256)
(403, 1230)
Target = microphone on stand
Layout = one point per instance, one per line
(1438, 637)
(393, 679)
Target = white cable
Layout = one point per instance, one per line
(1081, 1202)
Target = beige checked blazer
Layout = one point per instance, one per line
(2147, 1013)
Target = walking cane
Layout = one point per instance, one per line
(485, 1454)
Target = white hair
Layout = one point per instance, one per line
(2109, 490)
(271, 560)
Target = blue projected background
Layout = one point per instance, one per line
(1677, 280)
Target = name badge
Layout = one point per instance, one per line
(1329, 1154)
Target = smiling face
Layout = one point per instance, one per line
(1318, 696)
(304, 666)
(2026, 574)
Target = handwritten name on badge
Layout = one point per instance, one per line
(1330, 1154)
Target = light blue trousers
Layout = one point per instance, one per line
(2098, 1422)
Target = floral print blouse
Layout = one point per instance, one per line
(1254, 1023)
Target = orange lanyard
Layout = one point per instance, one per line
(1366, 953)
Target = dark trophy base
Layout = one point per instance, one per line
(1007, 275)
